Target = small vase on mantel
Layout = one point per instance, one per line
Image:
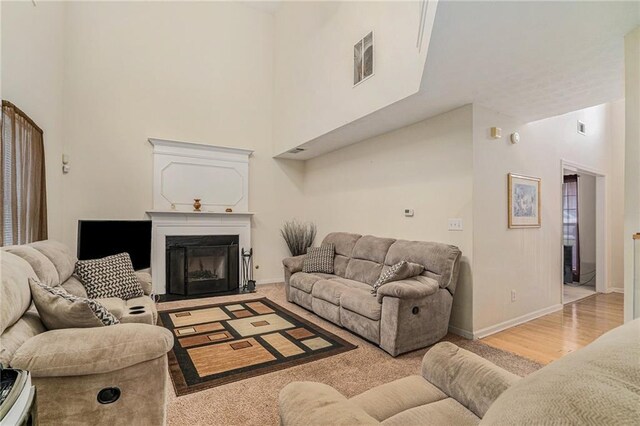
(196, 204)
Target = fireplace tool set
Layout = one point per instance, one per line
(248, 283)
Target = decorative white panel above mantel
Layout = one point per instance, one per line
(183, 171)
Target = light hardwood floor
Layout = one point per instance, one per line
(552, 336)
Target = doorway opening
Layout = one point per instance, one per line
(583, 233)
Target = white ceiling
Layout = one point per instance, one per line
(529, 60)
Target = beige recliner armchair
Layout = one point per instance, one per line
(104, 375)
(598, 384)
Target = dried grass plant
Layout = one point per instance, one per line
(298, 236)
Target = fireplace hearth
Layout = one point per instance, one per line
(202, 264)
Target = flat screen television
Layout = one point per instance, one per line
(100, 238)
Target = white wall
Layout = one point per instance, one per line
(529, 260)
(428, 167)
(314, 91)
(197, 72)
(632, 172)
(32, 79)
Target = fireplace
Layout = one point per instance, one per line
(202, 264)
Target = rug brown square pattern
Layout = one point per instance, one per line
(227, 342)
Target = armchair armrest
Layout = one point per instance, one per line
(144, 277)
(294, 264)
(83, 351)
(471, 380)
(411, 288)
(309, 403)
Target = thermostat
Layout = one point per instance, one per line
(408, 212)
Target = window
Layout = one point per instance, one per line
(570, 221)
(22, 180)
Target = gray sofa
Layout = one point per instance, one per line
(405, 315)
(599, 385)
(69, 367)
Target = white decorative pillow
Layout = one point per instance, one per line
(59, 309)
(111, 276)
(319, 259)
(400, 271)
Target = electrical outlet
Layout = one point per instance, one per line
(455, 224)
(513, 295)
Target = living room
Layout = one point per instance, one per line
(461, 100)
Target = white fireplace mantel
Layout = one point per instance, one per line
(182, 171)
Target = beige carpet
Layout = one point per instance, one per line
(255, 401)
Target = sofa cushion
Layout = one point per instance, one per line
(353, 283)
(439, 260)
(111, 276)
(372, 248)
(389, 399)
(319, 259)
(303, 281)
(26, 327)
(329, 290)
(42, 266)
(399, 271)
(361, 302)
(326, 276)
(342, 241)
(59, 309)
(60, 255)
(15, 295)
(364, 271)
(74, 286)
(340, 264)
(444, 412)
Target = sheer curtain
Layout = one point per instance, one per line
(570, 221)
(24, 201)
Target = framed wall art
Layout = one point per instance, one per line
(524, 201)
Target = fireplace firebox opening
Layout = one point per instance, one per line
(202, 264)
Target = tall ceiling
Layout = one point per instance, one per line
(530, 60)
(527, 59)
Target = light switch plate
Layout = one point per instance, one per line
(455, 224)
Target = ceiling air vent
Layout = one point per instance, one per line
(295, 150)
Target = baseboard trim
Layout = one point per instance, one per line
(269, 281)
(487, 331)
(615, 290)
(461, 332)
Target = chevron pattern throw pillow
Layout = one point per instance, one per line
(111, 276)
(319, 259)
(60, 309)
(400, 271)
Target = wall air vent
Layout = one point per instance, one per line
(582, 128)
(295, 150)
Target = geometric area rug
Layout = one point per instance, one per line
(226, 342)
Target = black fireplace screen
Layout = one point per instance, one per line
(202, 264)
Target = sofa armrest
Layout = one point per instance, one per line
(411, 288)
(309, 403)
(471, 380)
(144, 277)
(83, 351)
(294, 264)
